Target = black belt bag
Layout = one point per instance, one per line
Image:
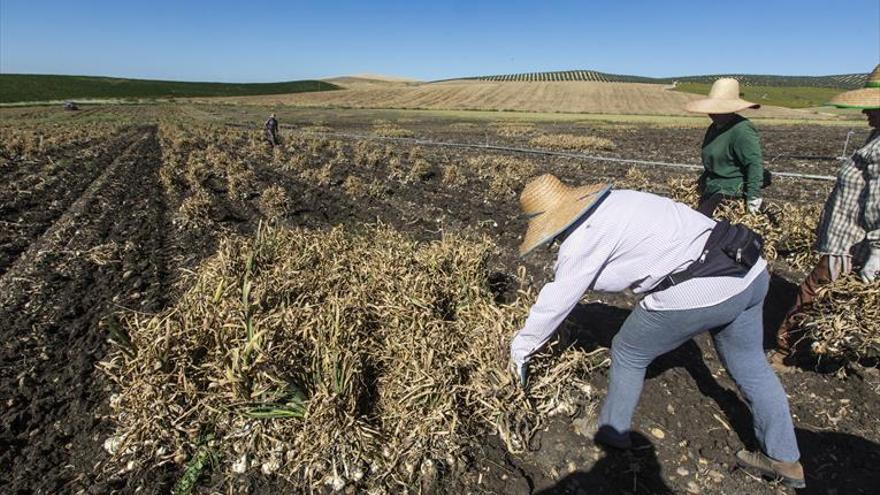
(731, 251)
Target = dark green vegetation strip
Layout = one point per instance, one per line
(791, 97)
(24, 87)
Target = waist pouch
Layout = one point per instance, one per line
(731, 251)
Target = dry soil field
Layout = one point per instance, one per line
(555, 96)
(187, 310)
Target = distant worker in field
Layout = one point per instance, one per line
(272, 130)
(849, 229)
(731, 155)
(697, 275)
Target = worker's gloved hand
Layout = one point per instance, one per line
(754, 205)
(871, 269)
(520, 372)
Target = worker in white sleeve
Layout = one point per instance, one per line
(698, 276)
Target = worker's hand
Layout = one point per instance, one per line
(520, 372)
(871, 269)
(754, 205)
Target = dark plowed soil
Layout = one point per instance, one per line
(105, 253)
(112, 246)
(34, 194)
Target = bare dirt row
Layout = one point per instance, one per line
(104, 253)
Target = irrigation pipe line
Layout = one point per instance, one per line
(535, 151)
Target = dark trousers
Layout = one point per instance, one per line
(270, 134)
(709, 203)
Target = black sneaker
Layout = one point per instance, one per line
(609, 437)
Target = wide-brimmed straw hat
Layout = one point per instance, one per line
(867, 98)
(723, 98)
(552, 207)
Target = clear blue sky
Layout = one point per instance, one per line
(274, 40)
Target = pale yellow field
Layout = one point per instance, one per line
(548, 97)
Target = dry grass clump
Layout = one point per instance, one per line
(572, 142)
(30, 143)
(410, 167)
(421, 170)
(242, 185)
(514, 129)
(353, 187)
(684, 190)
(388, 129)
(356, 188)
(274, 202)
(636, 179)
(321, 176)
(368, 361)
(789, 231)
(296, 162)
(843, 322)
(451, 175)
(195, 209)
(371, 155)
(505, 175)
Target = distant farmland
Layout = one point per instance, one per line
(36, 88)
(543, 97)
(839, 81)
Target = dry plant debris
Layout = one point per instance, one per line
(274, 202)
(514, 129)
(844, 320)
(789, 231)
(388, 129)
(572, 142)
(331, 358)
(506, 175)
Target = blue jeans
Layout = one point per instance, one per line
(737, 330)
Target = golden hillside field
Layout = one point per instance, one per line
(550, 97)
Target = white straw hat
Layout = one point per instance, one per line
(552, 207)
(867, 98)
(723, 98)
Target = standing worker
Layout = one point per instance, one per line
(849, 230)
(272, 130)
(699, 276)
(734, 167)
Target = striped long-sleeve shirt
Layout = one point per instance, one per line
(631, 241)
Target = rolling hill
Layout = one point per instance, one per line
(39, 88)
(840, 81)
(542, 97)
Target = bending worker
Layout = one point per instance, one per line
(699, 276)
(849, 230)
(272, 129)
(731, 152)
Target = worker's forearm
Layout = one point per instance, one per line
(754, 180)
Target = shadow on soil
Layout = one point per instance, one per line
(833, 462)
(636, 471)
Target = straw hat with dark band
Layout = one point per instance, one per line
(552, 207)
(723, 98)
(867, 98)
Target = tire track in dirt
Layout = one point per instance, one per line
(104, 253)
(32, 200)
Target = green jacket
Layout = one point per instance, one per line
(732, 160)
